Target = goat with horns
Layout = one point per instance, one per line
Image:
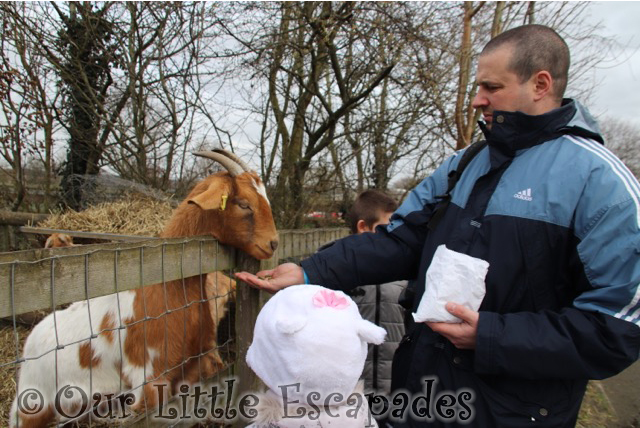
(157, 337)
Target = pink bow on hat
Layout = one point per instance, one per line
(329, 299)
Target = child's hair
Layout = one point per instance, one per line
(368, 206)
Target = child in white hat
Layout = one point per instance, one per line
(309, 348)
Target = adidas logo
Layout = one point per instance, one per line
(525, 195)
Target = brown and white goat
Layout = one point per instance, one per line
(157, 337)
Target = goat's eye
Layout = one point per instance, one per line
(244, 205)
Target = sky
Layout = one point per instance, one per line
(618, 92)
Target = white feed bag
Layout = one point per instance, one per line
(451, 277)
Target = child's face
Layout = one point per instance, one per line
(383, 218)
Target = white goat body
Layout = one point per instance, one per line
(105, 364)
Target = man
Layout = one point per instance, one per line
(557, 217)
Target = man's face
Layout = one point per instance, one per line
(499, 88)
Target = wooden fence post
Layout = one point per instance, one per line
(247, 308)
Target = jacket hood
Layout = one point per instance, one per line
(583, 124)
(513, 131)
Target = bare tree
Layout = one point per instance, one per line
(14, 129)
(465, 114)
(297, 57)
(622, 138)
(163, 100)
(28, 105)
(333, 97)
(85, 57)
(136, 77)
(162, 91)
(396, 122)
(75, 40)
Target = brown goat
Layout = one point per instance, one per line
(59, 240)
(168, 333)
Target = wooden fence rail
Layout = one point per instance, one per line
(31, 279)
(43, 279)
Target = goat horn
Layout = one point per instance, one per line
(231, 166)
(234, 158)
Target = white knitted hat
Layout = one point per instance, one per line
(309, 339)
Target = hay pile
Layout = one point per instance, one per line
(132, 215)
(8, 372)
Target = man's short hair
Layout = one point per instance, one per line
(536, 48)
(368, 206)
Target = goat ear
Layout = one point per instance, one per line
(215, 197)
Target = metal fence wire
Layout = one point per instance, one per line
(116, 329)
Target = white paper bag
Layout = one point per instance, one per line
(451, 277)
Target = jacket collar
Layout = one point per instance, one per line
(513, 131)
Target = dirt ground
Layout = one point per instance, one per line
(623, 391)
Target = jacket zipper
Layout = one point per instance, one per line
(376, 348)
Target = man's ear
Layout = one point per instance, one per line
(543, 84)
(214, 197)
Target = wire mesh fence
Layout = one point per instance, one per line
(136, 334)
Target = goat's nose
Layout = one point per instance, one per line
(274, 245)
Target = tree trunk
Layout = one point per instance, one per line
(87, 76)
(464, 126)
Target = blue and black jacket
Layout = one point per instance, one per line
(557, 216)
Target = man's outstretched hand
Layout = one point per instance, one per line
(276, 279)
